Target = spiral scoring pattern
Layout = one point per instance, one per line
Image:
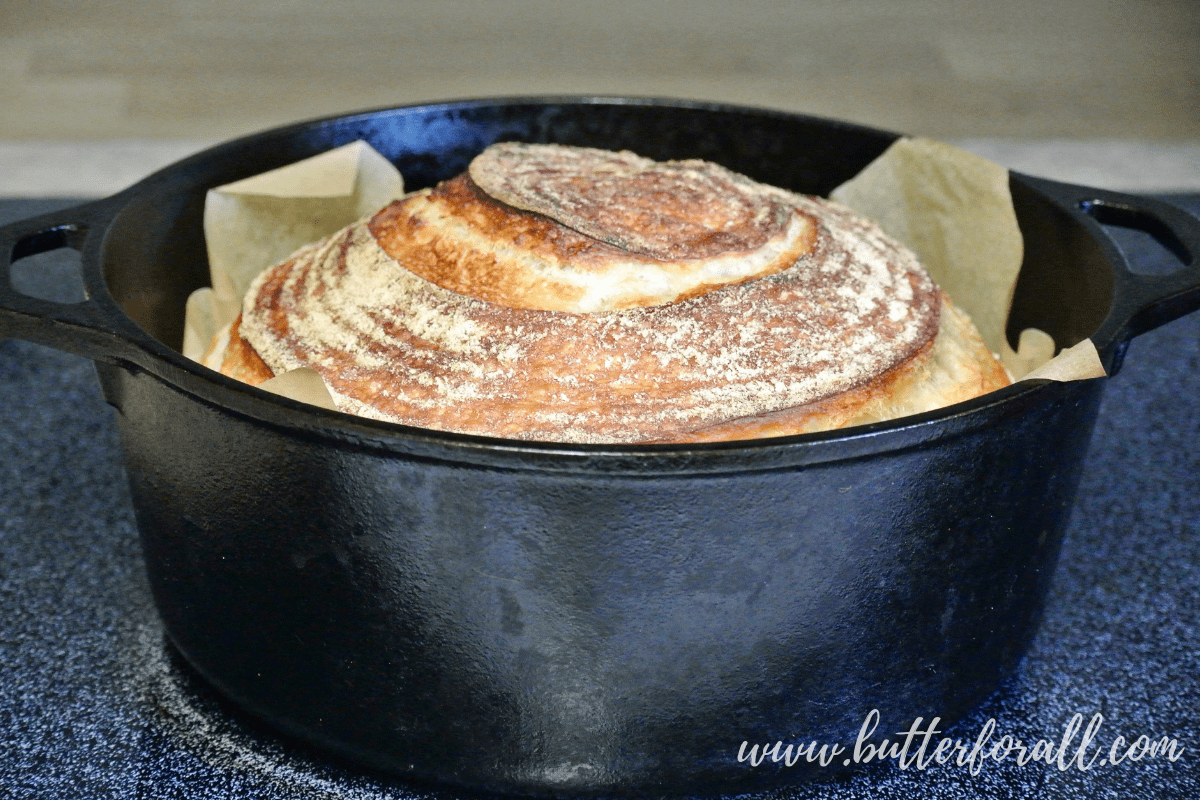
(395, 346)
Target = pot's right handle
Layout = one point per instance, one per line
(96, 328)
(1141, 302)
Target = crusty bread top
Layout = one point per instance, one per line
(384, 322)
(575, 233)
(673, 210)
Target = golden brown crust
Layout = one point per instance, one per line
(421, 315)
(955, 367)
(459, 238)
(671, 211)
(395, 346)
(241, 361)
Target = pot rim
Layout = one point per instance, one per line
(105, 333)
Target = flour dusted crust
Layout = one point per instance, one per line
(670, 211)
(608, 230)
(579, 295)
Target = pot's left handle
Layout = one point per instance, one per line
(93, 327)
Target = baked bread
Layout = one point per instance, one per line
(580, 295)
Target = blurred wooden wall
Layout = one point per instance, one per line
(167, 69)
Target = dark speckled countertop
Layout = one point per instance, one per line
(95, 704)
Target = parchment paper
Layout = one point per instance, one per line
(259, 221)
(954, 210)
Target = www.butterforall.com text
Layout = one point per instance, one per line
(916, 748)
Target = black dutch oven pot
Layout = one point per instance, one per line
(589, 620)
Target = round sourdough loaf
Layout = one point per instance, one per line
(581, 295)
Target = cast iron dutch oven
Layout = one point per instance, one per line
(589, 620)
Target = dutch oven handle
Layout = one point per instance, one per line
(1142, 302)
(96, 327)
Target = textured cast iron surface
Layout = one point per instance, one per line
(527, 631)
(572, 619)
